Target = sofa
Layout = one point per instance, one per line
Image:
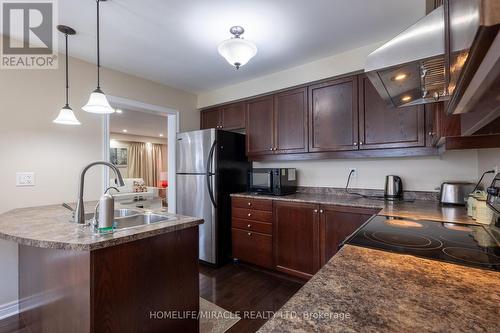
(127, 191)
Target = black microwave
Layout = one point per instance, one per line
(274, 181)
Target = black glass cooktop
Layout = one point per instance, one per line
(464, 244)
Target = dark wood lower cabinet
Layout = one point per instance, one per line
(336, 224)
(296, 238)
(253, 247)
(114, 289)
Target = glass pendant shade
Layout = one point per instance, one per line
(98, 103)
(237, 51)
(66, 117)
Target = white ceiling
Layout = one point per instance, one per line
(139, 123)
(175, 41)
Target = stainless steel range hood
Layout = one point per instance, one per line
(423, 64)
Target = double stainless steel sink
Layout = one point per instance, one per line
(131, 218)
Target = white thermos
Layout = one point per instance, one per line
(105, 212)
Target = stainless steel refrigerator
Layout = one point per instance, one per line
(211, 164)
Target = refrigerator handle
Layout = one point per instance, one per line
(209, 173)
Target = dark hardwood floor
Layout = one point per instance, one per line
(241, 288)
(232, 287)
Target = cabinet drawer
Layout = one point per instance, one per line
(265, 228)
(252, 247)
(251, 214)
(258, 204)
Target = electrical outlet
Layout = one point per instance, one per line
(354, 172)
(25, 179)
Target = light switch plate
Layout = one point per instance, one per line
(25, 179)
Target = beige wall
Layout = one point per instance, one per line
(29, 141)
(418, 173)
(488, 159)
(334, 65)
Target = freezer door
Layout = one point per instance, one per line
(193, 151)
(193, 199)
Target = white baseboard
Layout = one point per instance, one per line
(9, 309)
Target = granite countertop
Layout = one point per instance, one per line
(366, 290)
(417, 209)
(49, 227)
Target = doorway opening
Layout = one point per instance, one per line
(139, 138)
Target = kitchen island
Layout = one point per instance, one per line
(74, 280)
(367, 290)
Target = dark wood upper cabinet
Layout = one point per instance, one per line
(233, 116)
(296, 238)
(210, 118)
(441, 124)
(260, 126)
(228, 117)
(336, 224)
(333, 115)
(290, 120)
(382, 126)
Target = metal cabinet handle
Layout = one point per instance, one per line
(315, 210)
(249, 203)
(249, 234)
(360, 143)
(249, 226)
(321, 211)
(271, 149)
(249, 214)
(355, 144)
(432, 133)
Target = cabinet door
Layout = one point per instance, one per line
(333, 115)
(382, 126)
(441, 125)
(296, 238)
(290, 118)
(233, 116)
(210, 118)
(252, 247)
(260, 126)
(336, 224)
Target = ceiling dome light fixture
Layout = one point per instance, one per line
(66, 115)
(236, 50)
(98, 103)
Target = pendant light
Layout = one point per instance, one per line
(236, 50)
(98, 102)
(66, 115)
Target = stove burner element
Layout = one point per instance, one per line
(417, 242)
(472, 256)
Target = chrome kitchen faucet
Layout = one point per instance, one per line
(80, 211)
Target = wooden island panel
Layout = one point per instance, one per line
(113, 289)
